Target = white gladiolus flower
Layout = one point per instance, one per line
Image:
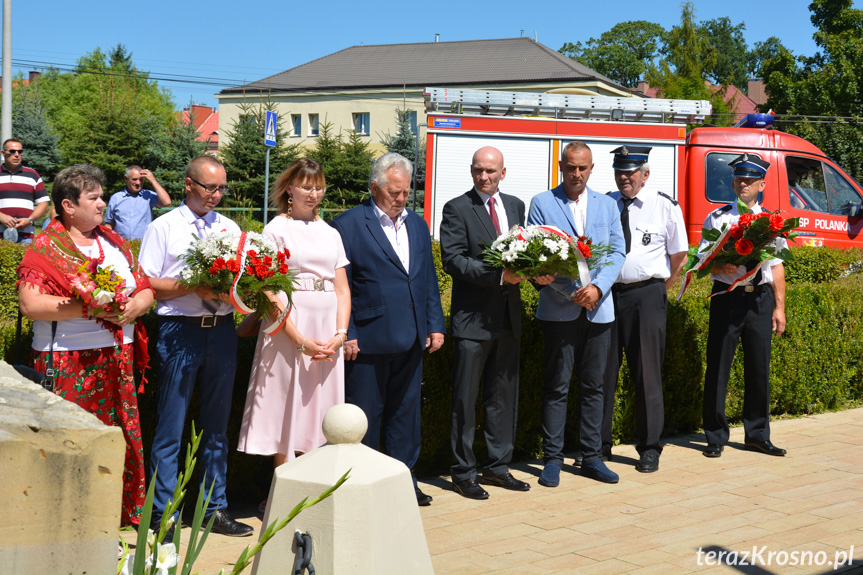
(166, 557)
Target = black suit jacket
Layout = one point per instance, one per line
(479, 301)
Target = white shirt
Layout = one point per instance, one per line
(723, 215)
(166, 239)
(578, 207)
(657, 230)
(79, 333)
(499, 208)
(396, 234)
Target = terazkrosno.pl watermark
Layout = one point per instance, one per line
(763, 556)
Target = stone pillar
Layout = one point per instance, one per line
(370, 525)
(61, 483)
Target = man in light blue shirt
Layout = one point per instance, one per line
(130, 210)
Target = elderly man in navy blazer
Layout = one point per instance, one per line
(576, 320)
(396, 312)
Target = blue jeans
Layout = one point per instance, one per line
(190, 354)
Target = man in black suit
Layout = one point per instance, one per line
(485, 320)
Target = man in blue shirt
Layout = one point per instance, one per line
(130, 210)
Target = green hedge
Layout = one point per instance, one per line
(816, 366)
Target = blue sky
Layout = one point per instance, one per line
(220, 43)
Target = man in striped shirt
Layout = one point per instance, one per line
(23, 198)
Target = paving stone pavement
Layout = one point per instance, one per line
(806, 506)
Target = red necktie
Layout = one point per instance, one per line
(493, 213)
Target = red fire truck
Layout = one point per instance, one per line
(531, 129)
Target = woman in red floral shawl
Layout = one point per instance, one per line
(93, 348)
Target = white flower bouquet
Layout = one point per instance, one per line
(244, 265)
(545, 250)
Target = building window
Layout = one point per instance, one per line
(313, 125)
(296, 125)
(361, 123)
(411, 119)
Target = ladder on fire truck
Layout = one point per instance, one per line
(565, 106)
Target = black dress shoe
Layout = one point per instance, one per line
(505, 480)
(422, 499)
(765, 447)
(469, 488)
(648, 462)
(227, 525)
(606, 456)
(713, 450)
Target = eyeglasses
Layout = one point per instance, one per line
(11, 152)
(310, 189)
(213, 189)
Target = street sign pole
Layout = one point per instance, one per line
(267, 186)
(270, 142)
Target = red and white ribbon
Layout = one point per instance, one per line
(238, 302)
(707, 260)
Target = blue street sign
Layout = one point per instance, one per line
(270, 133)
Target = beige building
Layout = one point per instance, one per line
(360, 88)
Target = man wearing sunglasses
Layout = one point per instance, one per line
(23, 198)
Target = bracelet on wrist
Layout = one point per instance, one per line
(302, 347)
(85, 311)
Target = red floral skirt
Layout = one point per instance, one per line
(102, 382)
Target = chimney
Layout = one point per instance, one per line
(437, 37)
(522, 33)
(34, 75)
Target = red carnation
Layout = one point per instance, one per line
(252, 253)
(736, 232)
(233, 266)
(584, 249)
(213, 270)
(268, 261)
(219, 264)
(250, 270)
(745, 220)
(260, 271)
(287, 253)
(743, 246)
(255, 261)
(283, 269)
(776, 222)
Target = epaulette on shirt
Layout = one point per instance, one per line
(722, 210)
(667, 197)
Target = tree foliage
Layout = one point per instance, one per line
(681, 74)
(37, 137)
(170, 150)
(623, 53)
(346, 163)
(245, 155)
(729, 51)
(107, 111)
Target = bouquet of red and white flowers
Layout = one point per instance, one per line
(546, 250)
(244, 265)
(753, 239)
(99, 287)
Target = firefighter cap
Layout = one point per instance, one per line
(747, 166)
(628, 158)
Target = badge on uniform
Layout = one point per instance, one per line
(645, 239)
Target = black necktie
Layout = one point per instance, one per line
(624, 221)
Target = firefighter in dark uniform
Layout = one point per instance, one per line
(750, 314)
(656, 245)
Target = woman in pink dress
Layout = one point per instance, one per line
(298, 372)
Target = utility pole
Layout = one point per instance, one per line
(6, 84)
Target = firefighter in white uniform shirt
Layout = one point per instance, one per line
(750, 314)
(656, 245)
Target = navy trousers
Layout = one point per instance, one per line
(388, 388)
(582, 345)
(188, 355)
